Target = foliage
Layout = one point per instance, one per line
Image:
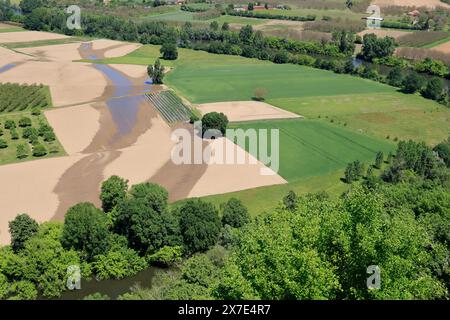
(118, 263)
(412, 83)
(86, 230)
(19, 97)
(156, 72)
(21, 229)
(144, 220)
(166, 256)
(234, 213)
(214, 121)
(374, 47)
(199, 225)
(113, 190)
(169, 51)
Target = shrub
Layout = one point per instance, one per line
(9, 124)
(166, 256)
(39, 150)
(3, 144)
(24, 122)
(235, 214)
(22, 151)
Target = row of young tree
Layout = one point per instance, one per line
(314, 247)
(134, 229)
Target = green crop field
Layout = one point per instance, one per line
(347, 118)
(237, 81)
(313, 148)
(358, 104)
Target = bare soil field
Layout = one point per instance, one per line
(8, 56)
(27, 36)
(70, 83)
(407, 3)
(114, 48)
(27, 187)
(247, 110)
(97, 149)
(75, 126)
(381, 33)
(224, 178)
(444, 47)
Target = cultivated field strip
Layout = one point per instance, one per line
(170, 106)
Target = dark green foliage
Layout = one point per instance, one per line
(22, 151)
(395, 77)
(86, 230)
(3, 144)
(39, 150)
(169, 51)
(214, 121)
(21, 229)
(443, 150)
(199, 225)
(113, 190)
(17, 97)
(9, 124)
(379, 158)
(234, 213)
(290, 201)
(412, 83)
(374, 47)
(156, 72)
(24, 122)
(144, 220)
(434, 89)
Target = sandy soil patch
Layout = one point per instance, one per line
(407, 3)
(8, 56)
(381, 33)
(24, 191)
(444, 47)
(6, 26)
(224, 178)
(247, 110)
(75, 126)
(138, 163)
(59, 52)
(26, 36)
(114, 48)
(70, 83)
(133, 71)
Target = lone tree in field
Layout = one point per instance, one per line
(214, 121)
(156, 72)
(169, 51)
(21, 229)
(260, 94)
(113, 190)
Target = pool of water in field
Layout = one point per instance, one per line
(7, 67)
(122, 105)
(112, 288)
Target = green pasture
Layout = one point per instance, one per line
(313, 148)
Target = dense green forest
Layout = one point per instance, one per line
(311, 247)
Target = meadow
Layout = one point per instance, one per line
(346, 118)
(313, 148)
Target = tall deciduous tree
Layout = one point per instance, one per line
(21, 229)
(199, 225)
(156, 72)
(86, 230)
(113, 190)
